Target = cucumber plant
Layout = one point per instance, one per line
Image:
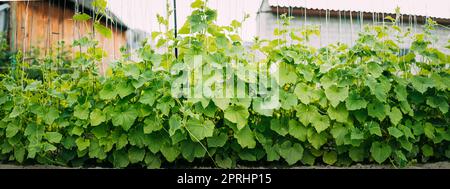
(336, 105)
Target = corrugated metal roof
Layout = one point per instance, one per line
(431, 8)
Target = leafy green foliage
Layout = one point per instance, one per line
(292, 153)
(124, 117)
(245, 138)
(421, 83)
(81, 17)
(200, 129)
(380, 151)
(336, 94)
(237, 114)
(355, 102)
(97, 117)
(337, 105)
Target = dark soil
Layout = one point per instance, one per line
(437, 165)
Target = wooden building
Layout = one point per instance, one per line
(43, 23)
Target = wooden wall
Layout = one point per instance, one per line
(43, 24)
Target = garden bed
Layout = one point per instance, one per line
(337, 105)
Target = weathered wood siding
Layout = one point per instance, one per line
(42, 24)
